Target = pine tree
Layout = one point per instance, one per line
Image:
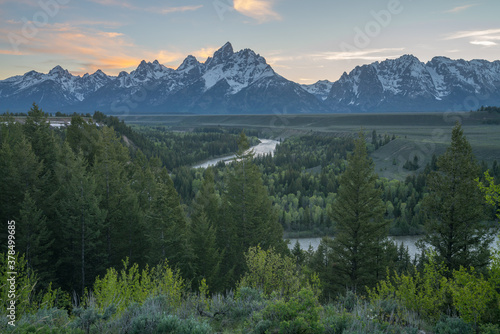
(37, 130)
(83, 137)
(79, 223)
(21, 171)
(249, 217)
(35, 240)
(454, 208)
(203, 236)
(121, 226)
(358, 212)
(167, 228)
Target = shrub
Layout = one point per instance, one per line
(471, 294)
(131, 285)
(425, 293)
(270, 272)
(300, 314)
(336, 323)
(489, 329)
(453, 326)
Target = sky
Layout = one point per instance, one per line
(304, 41)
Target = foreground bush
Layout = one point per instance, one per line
(133, 286)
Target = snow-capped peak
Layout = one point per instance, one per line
(220, 56)
(188, 63)
(239, 69)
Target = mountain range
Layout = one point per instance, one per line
(243, 83)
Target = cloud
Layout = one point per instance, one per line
(110, 34)
(369, 54)
(89, 48)
(204, 53)
(483, 43)
(478, 37)
(260, 10)
(473, 33)
(118, 3)
(459, 8)
(166, 56)
(165, 10)
(10, 52)
(179, 9)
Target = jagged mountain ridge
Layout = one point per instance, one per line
(407, 84)
(243, 83)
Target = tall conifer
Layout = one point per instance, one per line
(360, 228)
(454, 208)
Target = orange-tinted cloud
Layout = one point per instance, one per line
(169, 10)
(166, 56)
(260, 10)
(11, 52)
(92, 48)
(204, 53)
(460, 8)
(89, 48)
(162, 10)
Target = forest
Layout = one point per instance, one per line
(108, 229)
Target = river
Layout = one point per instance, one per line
(265, 146)
(408, 240)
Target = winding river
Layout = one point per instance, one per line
(265, 146)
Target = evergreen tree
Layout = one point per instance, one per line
(121, 226)
(166, 227)
(35, 240)
(249, 217)
(46, 148)
(454, 208)
(84, 137)
(358, 212)
(79, 223)
(21, 171)
(203, 236)
(37, 130)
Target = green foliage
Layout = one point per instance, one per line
(28, 299)
(132, 285)
(271, 272)
(168, 324)
(249, 218)
(45, 320)
(453, 326)
(81, 222)
(203, 234)
(489, 329)
(300, 314)
(455, 209)
(431, 293)
(424, 293)
(491, 191)
(336, 322)
(91, 319)
(358, 214)
(472, 294)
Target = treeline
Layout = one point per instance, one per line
(57, 114)
(490, 109)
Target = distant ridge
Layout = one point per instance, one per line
(243, 83)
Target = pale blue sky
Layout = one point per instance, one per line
(304, 41)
